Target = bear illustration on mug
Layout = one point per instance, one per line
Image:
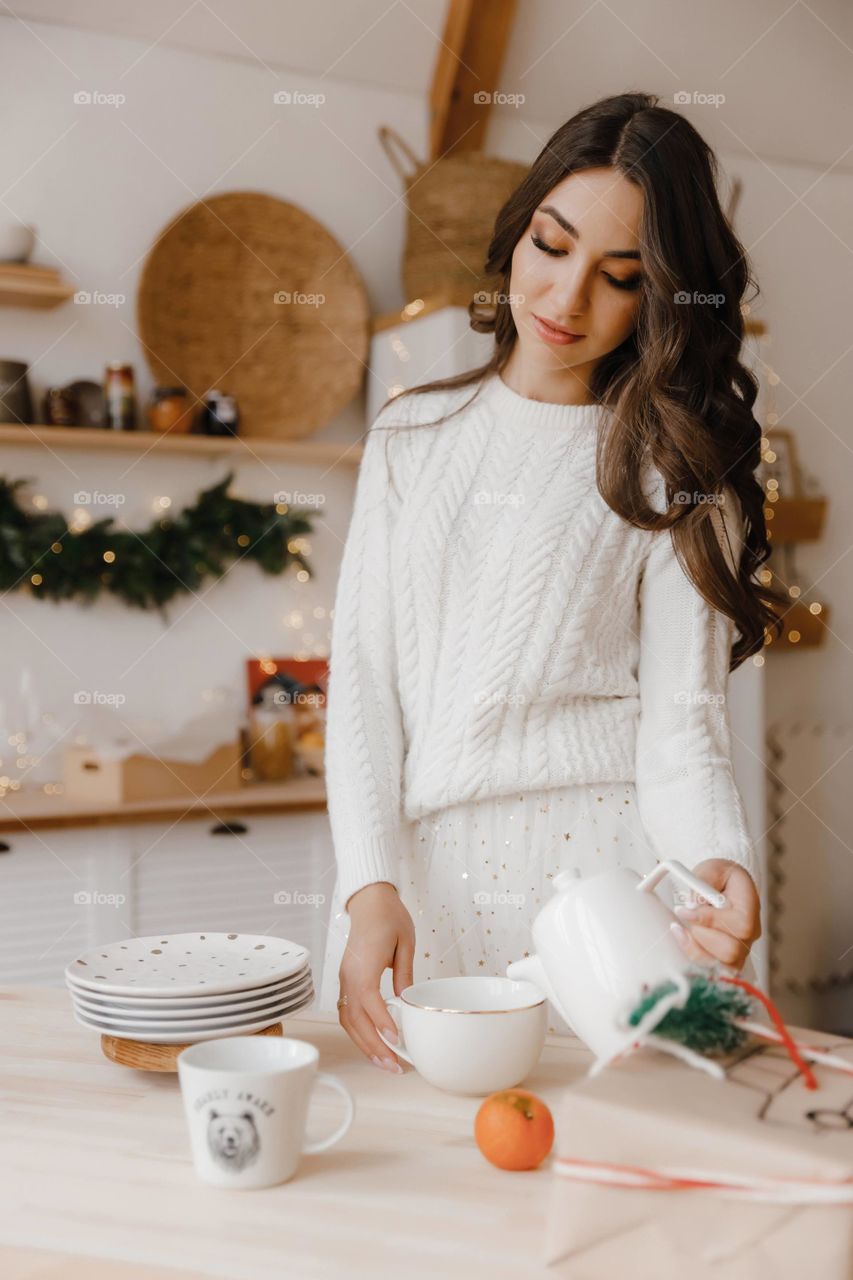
(233, 1140)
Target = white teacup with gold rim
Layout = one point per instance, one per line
(470, 1035)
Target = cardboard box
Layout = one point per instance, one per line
(651, 1118)
(90, 779)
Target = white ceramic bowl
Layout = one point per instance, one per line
(471, 1035)
(16, 241)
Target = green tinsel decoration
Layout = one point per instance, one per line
(706, 1021)
(175, 554)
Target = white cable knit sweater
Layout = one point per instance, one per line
(498, 628)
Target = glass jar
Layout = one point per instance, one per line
(170, 410)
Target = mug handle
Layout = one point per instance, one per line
(395, 1003)
(679, 872)
(322, 1144)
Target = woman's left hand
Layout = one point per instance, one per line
(721, 935)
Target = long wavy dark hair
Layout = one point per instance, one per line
(678, 393)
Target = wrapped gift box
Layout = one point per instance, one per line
(770, 1160)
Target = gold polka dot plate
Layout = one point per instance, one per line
(187, 964)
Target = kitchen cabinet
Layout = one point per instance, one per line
(65, 890)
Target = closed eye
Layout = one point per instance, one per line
(633, 282)
(547, 248)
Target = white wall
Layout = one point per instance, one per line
(100, 183)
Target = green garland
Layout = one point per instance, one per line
(39, 551)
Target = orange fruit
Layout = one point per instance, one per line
(514, 1129)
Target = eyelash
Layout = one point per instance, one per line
(632, 282)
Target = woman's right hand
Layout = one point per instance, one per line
(381, 936)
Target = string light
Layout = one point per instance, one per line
(773, 495)
(399, 348)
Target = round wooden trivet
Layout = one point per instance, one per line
(155, 1057)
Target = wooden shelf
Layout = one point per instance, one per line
(27, 809)
(306, 452)
(419, 307)
(24, 284)
(795, 519)
(802, 628)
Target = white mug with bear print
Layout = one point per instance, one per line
(246, 1100)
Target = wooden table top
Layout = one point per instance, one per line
(98, 1184)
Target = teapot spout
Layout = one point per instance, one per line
(531, 969)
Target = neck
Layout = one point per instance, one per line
(553, 386)
(526, 413)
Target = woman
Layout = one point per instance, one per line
(547, 560)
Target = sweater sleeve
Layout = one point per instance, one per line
(689, 802)
(364, 734)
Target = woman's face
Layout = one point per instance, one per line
(577, 266)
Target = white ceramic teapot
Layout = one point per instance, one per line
(600, 942)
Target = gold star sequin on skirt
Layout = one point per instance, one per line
(474, 876)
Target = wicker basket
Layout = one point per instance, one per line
(229, 299)
(452, 205)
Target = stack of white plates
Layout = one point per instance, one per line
(187, 987)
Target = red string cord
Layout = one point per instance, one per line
(787, 1040)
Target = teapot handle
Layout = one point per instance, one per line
(678, 870)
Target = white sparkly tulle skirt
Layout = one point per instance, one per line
(474, 876)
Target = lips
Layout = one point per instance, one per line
(559, 328)
(557, 337)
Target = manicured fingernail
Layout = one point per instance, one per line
(680, 932)
(387, 1064)
(686, 913)
(391, 1034)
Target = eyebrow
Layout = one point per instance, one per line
(573, 231)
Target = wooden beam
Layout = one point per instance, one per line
(469, 62)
